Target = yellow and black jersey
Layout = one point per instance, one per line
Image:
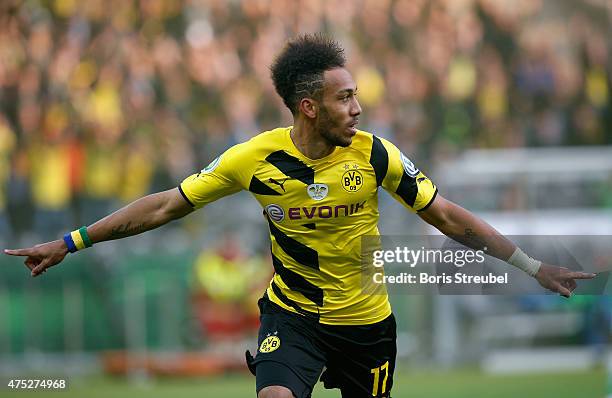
(317, 211)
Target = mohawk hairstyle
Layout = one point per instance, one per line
(297, 72)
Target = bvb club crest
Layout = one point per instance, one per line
(270, 343)
(352, 179)
(317, 191)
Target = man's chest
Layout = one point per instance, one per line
(302, 192)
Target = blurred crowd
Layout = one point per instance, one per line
(102, 101)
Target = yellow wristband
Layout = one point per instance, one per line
(78, 240)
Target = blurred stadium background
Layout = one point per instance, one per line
(506, 104)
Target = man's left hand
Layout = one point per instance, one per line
(560, 279)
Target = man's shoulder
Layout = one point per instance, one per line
(367, 142)
(268, 139)
(362, 141)
(363, 135)
(261, 144)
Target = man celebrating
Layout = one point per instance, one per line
(317, 182)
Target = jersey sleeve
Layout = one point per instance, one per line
(405, 182)
(222, 177)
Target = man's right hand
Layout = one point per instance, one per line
(41, 257)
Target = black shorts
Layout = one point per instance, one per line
(293, 351)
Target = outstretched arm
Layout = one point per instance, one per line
(461, 225)
(142, 215)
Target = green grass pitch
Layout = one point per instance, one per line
(408, 384)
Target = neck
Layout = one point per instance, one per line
(308, 141)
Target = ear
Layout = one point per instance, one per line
(309, 107)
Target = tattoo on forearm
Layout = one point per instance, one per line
(472, 240)
(124, 230)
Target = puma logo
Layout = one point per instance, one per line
(280, 184)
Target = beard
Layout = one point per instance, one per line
(326, 125)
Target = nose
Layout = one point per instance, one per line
(355, 108)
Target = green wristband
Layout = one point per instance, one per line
(86, 240)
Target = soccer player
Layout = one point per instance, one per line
(317, 182)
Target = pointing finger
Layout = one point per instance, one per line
(579, 275)
(19, 252)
